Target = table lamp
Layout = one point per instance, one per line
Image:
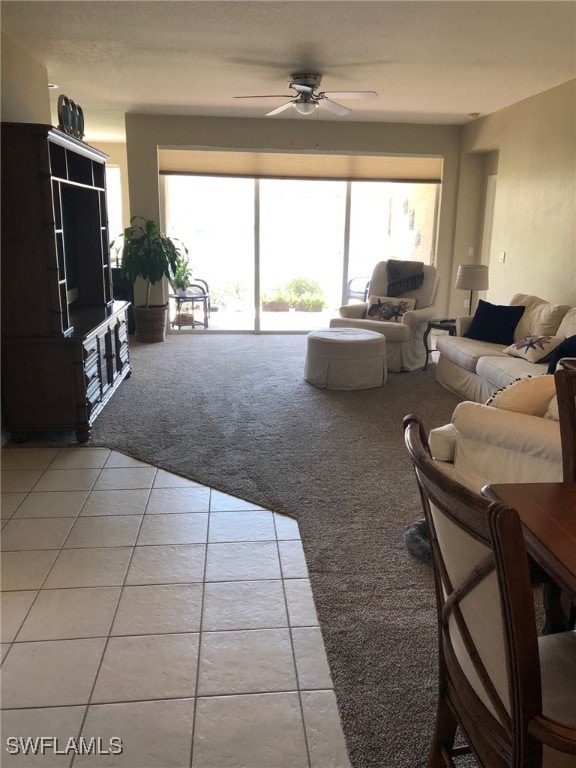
(472, 277)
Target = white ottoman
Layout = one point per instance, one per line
(345, 358)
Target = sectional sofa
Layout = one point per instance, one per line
(507, 428)
(474, 368)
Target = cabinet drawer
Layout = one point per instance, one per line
(89, 347)
(91, 364)
(122, 331)
(92, 374)
(123, 356)
(93, 394)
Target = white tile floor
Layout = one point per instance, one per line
(140, 605)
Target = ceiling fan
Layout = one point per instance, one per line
(308, 98)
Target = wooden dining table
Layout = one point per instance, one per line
(548, 515)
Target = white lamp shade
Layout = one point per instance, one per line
(472, 277)
(305, 107)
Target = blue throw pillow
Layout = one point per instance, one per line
(566, 349)
(494, 323)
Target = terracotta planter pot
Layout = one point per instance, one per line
(275, 306)
(151, 323)
(306, 308)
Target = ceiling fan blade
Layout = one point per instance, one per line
(333, 106)
(302, 88)
(267, 96)
(279, 109)
(351, 94)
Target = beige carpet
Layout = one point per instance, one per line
(234, 412)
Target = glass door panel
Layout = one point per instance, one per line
(301, 252)
(390, 220)
(214, 218)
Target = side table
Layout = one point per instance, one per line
(568, 363)
(193, 299)
(439, 324)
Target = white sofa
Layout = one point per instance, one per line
(474, 370)
(404, 339)
(514, 439)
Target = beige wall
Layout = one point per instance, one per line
(24, 86)
(535, 210)
(144, 133)
(117, 156)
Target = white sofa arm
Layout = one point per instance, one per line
(498, 446)
(442, 442)
(463, 324)
(356, 311)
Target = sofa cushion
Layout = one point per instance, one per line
(388, 308)
(566, 349)
(568, 325)
(534, 348)
(530, 395)
(552, 412)
(540, 317)
(494, 323)
(501, 370)
(466, 352)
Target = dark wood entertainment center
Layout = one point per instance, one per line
(64, 338)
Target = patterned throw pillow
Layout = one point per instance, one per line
(535, 349)
(388, 307)
(530, 395)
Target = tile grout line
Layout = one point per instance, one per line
(200, 631)
(15, 638)
(107, 639)
(46, 577)
(294, 660)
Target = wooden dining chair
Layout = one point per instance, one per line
(511, 694)
(565, 381)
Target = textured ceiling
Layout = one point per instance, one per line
(430, 62)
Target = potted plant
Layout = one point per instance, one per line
(310, 302)
(300, 289)
(275, 302)
(151, 255)
(182, 276)
(305, 295)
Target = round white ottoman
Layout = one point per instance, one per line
(345, 358)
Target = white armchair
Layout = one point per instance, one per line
(513, 439)
(405, 349)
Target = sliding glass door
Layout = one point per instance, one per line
(214, 218)
(390, 220)
(278, 253)
(301, 252)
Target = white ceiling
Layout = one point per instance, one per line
(429, 61)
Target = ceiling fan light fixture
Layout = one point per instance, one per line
(305, 107)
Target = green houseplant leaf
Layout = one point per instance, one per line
(149, 254)
(182, 275)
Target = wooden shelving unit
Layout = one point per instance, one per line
(64, 338)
